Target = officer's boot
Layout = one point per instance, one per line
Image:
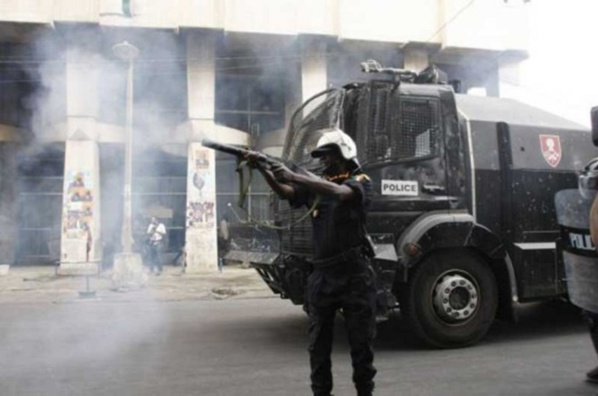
(592, 376)
(365, 390)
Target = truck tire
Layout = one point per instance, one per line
(450, 300)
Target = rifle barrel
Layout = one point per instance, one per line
(225, 148)
(236, 151)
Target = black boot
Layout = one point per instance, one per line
(367, 390)
(592, 376)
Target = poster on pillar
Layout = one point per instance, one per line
(78, 214)
(201, 209)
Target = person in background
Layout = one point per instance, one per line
(223, 240)
(181, 258)
(156, 231)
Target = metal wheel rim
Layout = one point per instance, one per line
(455, 296)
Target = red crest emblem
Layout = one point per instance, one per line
(551, 149)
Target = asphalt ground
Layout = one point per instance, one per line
(43, 284)
(174, 337)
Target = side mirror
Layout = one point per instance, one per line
(456, 84)
(594, 114)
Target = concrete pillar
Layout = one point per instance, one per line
(415, 59)
(201, 235)
(8, 206)
(201, 77)
(81, 210)
(493, 84)
(82, 100)
(314, 76)
(293, 100)
(509, 79)
(80, 241)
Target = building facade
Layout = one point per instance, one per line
(230, 70)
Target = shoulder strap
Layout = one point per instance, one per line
(368, 243)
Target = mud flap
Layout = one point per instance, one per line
(385, 264)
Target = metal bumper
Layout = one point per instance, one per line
(285, 275)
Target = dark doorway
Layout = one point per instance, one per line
(159, 189)
(40, 175)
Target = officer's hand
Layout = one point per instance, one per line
(282, 173)
(252, 159)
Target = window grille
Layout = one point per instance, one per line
(394, 127)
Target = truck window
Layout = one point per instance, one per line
(418, 128)
(320, 112)
(393, 127)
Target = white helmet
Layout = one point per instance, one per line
(335, 137)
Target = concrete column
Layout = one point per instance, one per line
(8, 206)
(493, 84)
(201, 77)
(201, 237)
(82, 65)
(314, 76)
(81, 210)
(293, 100)
(415, 59)
(80, 241)
(509, 79)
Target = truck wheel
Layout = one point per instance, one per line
(451, 299)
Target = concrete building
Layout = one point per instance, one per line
(231, 70)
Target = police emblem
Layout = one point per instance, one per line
(551, 149)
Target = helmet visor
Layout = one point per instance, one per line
(324, 150)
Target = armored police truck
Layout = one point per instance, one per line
(462, 213)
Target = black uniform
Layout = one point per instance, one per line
(342, 279)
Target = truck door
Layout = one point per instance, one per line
(403, 139)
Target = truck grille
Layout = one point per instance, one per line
(297, 240)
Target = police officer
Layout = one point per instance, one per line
(589, 181)
(342, 277)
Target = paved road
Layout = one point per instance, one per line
(40, 284)
(256, 346)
